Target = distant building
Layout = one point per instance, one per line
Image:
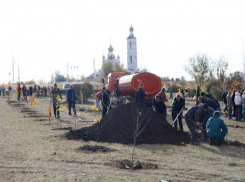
(131, 56)
(131, 51)
(97, 76)
(111, 57)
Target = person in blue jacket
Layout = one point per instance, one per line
(140, 94)
(71, 99)
(216, 128)
(177, 106)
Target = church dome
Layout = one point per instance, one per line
(131, 29)
(110, 49)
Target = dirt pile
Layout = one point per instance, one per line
(116, 127)
(96, 148)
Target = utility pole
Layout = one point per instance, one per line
(94, 72)
(18, 71)
(13, 61)
(243, 65)
(67, 77)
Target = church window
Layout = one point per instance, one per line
(130, 45)
(131, 59)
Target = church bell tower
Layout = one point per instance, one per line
(131, 51)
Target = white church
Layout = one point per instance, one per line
(131, 53)
(131, 56)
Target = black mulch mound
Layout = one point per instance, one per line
(115, 127)
(96, 148)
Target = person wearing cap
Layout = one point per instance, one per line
(105, 102)
(140, 94)
(177, 108)
(71, 99)
(55, 94)
(216, 128)
(159, 106)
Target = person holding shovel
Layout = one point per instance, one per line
(177, 108)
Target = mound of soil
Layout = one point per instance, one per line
(96, 148)
(116, 126)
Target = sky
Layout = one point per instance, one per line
(44, 35)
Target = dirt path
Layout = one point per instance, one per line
(30, 150)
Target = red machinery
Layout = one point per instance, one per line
(123, 86)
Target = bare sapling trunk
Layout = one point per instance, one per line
(137, 127)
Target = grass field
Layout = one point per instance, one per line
(31, 149)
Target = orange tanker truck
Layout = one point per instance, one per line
(123, 86)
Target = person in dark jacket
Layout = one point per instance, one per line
(35, 90)
(177, 108)
(234, 105)
(224, 99)
(198, 94)
(202, 116)
(71, 99)
(45, 91)
(56, 95)
(214, 126)
(159, 106)
(229, 104)
(30, 90)
(211, 102)
(24, 91)
(140, 94)
(190, 118)
(105, 102)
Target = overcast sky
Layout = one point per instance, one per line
(44, 35)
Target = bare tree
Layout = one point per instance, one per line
(137, 125)
(200, 67)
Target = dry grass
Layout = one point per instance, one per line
(31, 151)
